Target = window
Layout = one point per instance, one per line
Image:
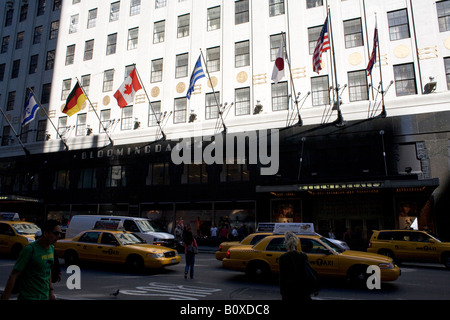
(158, 174)
(73, 28)
(212, 109)
(242, 104)
(92, 18)
(9, 17)
(33, 64)
(5, 43)
(111, 44)
(443, 12)
(50, 60)
(154, 113)
(108, 80)
(88, 50)
(37, 35)
(313, 247)
(127, 118)
(398, 25)
(194, 174)
(90, 237)
(81, 124)
(66, 88)
(62, 126)
(157, 71)
(276, 7)
(19, 40)
(181, 68)
(405, 79)
(41, 8)
(241, 13)
(313, 3)
(280, 98)
(242, 54)
(2, 71)
(180, 110)
(233, 172)
(105, 119)
(353, 33)
(160, 3)
(11, 101)
(214, 18)
(159, 31)
(275, 42)
(114, 11)
(15, 69)
(62, 181)
(54, 28)
(87, 179)
(183, 25)
(116, 177)
(447, 71)
(86, 83)
(133, 38)
(357, 86)
(276, 244)
(135, 7)
(46, 90)
(313, 36)
(320, 92)
(57, 4)
(6, 135)
(23, 12)
(213, 59)
(70, 55)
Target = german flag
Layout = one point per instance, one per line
(75, 101)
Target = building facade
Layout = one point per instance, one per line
(350, 151)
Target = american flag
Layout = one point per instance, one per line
(323, 44)
(373, 57)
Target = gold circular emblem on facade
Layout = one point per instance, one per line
(355, 58)
(181, 87)
(401, 51)
(155, 92)
(447, 43)
(106, 100)
(214, 81)
(242, 77)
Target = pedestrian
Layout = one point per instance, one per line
(190, 250)
(31, 274)
(214, 231)
(293, 274)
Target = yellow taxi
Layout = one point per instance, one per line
(114, 246)
(328, 259)
(251, 239)
(14, 235)
(410, 245)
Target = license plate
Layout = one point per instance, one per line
(174, 260)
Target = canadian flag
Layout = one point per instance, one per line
(125, 94)
(278, 68)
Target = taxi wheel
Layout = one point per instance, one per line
(257, 270)
(135, 263)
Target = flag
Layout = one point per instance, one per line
(373, 57)
(323, 44)
(196, 75)
(125, 94)
(278, 68)
(75, 101)
(31, 108)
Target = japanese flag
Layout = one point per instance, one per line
(125, 94)
(278, 68)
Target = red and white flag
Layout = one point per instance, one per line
(125, 94)
(278, 68)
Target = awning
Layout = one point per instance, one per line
(18, 199)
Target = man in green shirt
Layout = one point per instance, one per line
(32, 272)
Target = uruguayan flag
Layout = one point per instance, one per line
(31, 107)
(196, 74)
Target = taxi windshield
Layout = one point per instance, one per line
(26, 228)
(128, 239)
(145, 225)
(333, 246)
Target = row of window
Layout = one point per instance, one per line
(24, 9)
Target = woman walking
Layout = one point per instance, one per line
(190, 250)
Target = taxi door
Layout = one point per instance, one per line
(274, 249)
(109, 249)
(320, 257)
(421, 247)
(86, 246)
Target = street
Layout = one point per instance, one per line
(212, 282)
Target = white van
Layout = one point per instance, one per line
(140, 226)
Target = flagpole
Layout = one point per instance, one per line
(340, 120)
(158, 121)
(383, 112)
(101, 123)
(300, 121)
(214, 92)
(46, 113)
(15, 132)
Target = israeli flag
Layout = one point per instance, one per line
(31, 107)
(196, 74)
